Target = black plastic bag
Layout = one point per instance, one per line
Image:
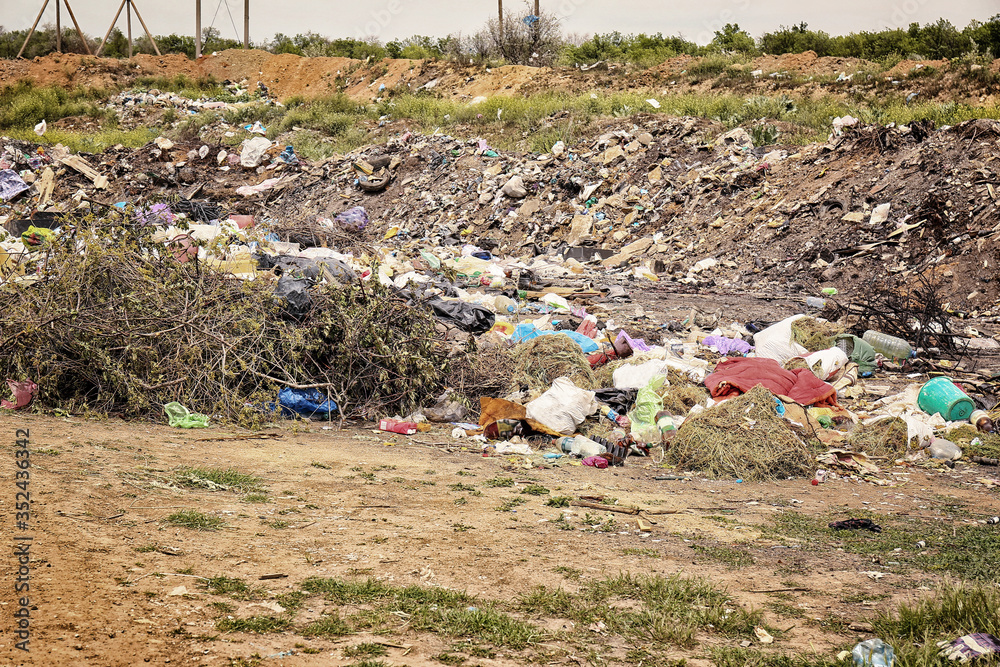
(619, 400)
(466, 316)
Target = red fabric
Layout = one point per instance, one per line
(737, 375)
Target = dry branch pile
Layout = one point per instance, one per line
(115, 324)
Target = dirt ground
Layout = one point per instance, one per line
(287, 75)
(112, 583)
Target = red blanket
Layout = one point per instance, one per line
(736, 375)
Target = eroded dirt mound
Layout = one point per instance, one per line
(288, 75)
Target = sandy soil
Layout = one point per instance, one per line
(359, 503)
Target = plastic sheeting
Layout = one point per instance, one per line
(305, 402)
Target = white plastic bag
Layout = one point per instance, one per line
(563, 407)
(775, 342)
(637, 376)
(253, 151)
(826, 363)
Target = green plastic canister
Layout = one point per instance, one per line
(942, 396)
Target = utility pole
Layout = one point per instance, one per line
(536, 9)
(83, 40)
(246, 24)
(131, 8)
(197, 29)
(500, 24)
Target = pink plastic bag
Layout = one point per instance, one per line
(24, 393)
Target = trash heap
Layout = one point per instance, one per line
(239, 281)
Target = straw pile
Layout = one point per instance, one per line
(886, 437)
(744, 438)
(815, 335)
(540, 361)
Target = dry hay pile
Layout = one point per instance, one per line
(883, 438)
(680, 398)
(486, 372)
(115, 324)
(542, 360)
(814, 334)
(742, 437)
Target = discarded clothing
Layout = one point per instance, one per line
(180, 417)
(859, 351)
(856, 524)
(737, 375)
(11, 184)
(970, 647)
(725, 345)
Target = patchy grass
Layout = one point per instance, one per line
(558, 501)
(234, 588)
(499, 482)
(365, 650)
(451, 613)
(733, 656)
(330, 626)
(217, 479)
(649, 608)
(256, 624)
(195, 520)
(955, 610)
(535, 490)
(731, 556)
(965, 551)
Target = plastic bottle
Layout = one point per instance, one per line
(815, 302)
(873, 653)
(982, 420)
(944, 449)
(583, 447)
(888, 346)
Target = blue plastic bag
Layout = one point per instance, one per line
(525, 332)
(306, 402)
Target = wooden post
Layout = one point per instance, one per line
(128, 22)
(500, 25)
(197, 28)
(86, 47)
(33, 26)
(58, 28)
(537, 11)
(246, 24)
(144, 27)
(111, 27)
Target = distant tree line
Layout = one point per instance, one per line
(528, 40)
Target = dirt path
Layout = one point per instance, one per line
(114, 583)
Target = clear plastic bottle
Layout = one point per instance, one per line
(873, 653)
(944, 449)
(584, 447)
(888, 346)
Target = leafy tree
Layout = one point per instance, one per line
(733, 39)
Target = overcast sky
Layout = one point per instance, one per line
(393, 19)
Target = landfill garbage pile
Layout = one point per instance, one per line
(219, 276)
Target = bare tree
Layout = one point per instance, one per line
(524, 38)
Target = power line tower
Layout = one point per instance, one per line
(69, 9)
(129, 7)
